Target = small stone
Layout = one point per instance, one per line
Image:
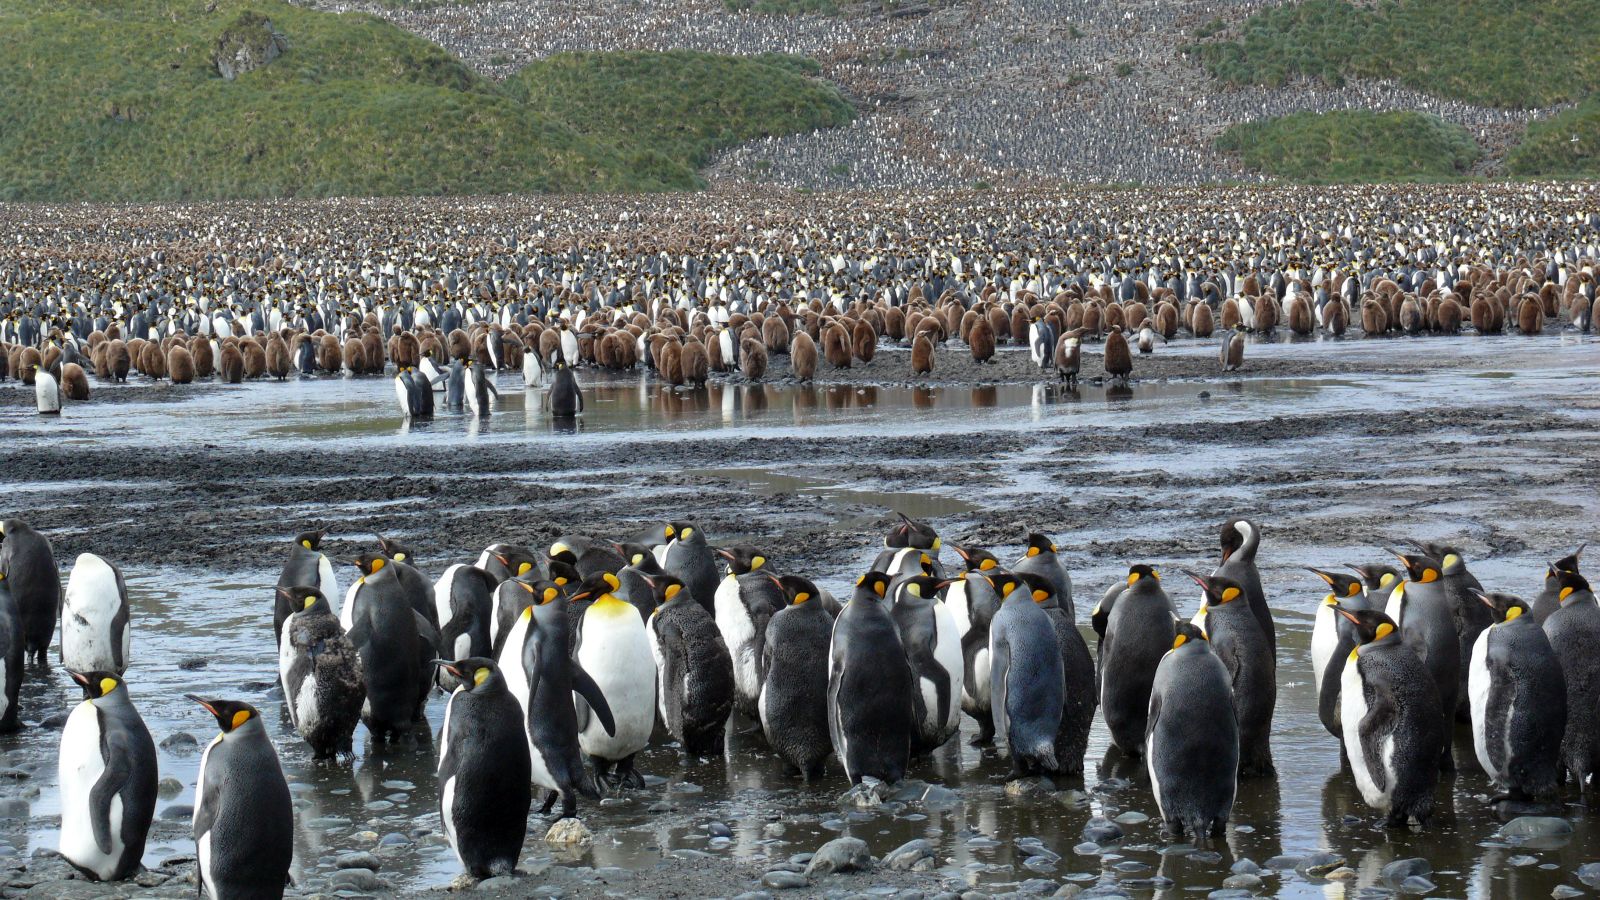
(1318, 864)
(569, 833)
(907, 855)
(938, 798)
(1068, 890)
(498, 883)
(1565, 892)
(395, 839)
(358, 860)
(1535, 827)
(148, 879)
(177, 812)
(1087, 848)
(1029, 787)
(1279, 863)
(1416, 884)
(869, 794)
(1526, 860)
(719, 830)
(1102, 831)
(779, 880)
(167, 788)
(1343, 873)
(1588, 873)
(361, 880)
(1131, 817)
(180, 742)
(846, 854)
(1245, 866)
(1040, 863)
(1246, 882)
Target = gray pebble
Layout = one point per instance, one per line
(1416, 884)
(180, 742)
(357, 880)
(846, 854)
(779, 880)
(359, 860)
(1245, 866)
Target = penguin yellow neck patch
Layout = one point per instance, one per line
(479, 676)
(241, 717)
(1513, 612)
(1384, 630)
(1230, 594)
(1565, 593)
(107, 685)
(757, 562)
(672, 590)
(306, 544)
(1179, 641)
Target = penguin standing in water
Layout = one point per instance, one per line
(1139, 631)
(1421, 610)
(94, 618)
(745, 602)
(457, 384)
(11, 658)
(694, 671)
(416, 586)
(1470, 615)
(1027, 682)
(793, 705)
(464, 602)
(1574, 632)
(501, 561)
(1549, 599)
(1235, 637)
(484, 771)
(243, 820)
(306, 566)
(1040, 559)
(1518, 697)
(511, 599)
(1191, 739)
(614, 648)
(46, 392)
(30, 567)
(1393, 721)
(321, 674)
(1241, 539)
(108, 779)
(869, 687)
(933, 650)
(395, 651)
(687, 557)
(1078, 697)
(1332, 639)
(480, 389)
(566, 397)
(972, 597)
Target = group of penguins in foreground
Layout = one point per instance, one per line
(557, 657)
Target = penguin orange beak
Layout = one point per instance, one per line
(449, 666)
(1320, 574)
(1199, 579)
(1348, 615)
(1484, 598)
(964, 553)
(80, 678)
(284, 594)
(725, 553)
(203, 702)
(944, 584)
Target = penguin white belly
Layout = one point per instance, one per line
(906, 561)
(79, 768)
(1352, 709)
(90, 605)
(1478, 685)
(403, 396)
(532, 372)
(511, 661)
(739, 633)
(661, 673)
(441, 602)
(541, 772)
(569, 347)
(947, 652)
(956, 600)
(286, 658)
(447, 814)
(616, 654)
(1324, 641)
(1152, 753)
(203, 858)
(980, 676)
(1199, 621)
(472, 397)
(46, 393)
(327, 582)
(305, 704)
(1395, 605)
(463, 648)
(347, 612)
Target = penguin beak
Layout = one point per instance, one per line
(285, 594)
(964, 553)
(944, 584)
(1320, 574)
(725, 553)
(448, 666)
(203, 702)
(1199, 579)
(80, 678)
(1348, 615)
(1482, 597)
(777, 584)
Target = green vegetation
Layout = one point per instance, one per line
(1548, 148)
(1353, 145)
(665, 113)
(1509, 53)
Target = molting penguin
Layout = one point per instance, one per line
(464, 601)
(12, 659)
(1040, 559)
(108, 780)
(306, 566)
(694, 670)
(869, 687)
(1332, 639)
(614, 648)
(933, 649)
(484, 771)
(793, 705)
(1078, 696)
(321, 674)
(1392, 719)
(1518, 698)
(243, 820)
(1236, 639)
(94, 618)
(1574, 632)
(1026, 675)
(1191, 739)
(1241, 539)
(972, 596)
(745, 602)
(1139, 631)
(30, 568)
(905, 545)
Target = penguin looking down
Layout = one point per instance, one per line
(1232, 630)
(1518, 698)
(1332, 639)
(1392, 719)
(484, 771)
(1191, 738)
(793, 705)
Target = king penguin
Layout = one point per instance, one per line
(94, 618)
(1078, 696)
(1421, 609)
(108, 779)
(688, 558)
(1026, 677)
(1574, 632)
(463, 598)
(30, 567)
(306, 566)
(243, 820)
(1392, 719)
(694, 671)
(11, 658)
(1471, 616)
(1139, 631)
(972, 598)
(395, 650)
(484, 771)
(1549, 599)
(744, 603)
(869, 687)
(1040, 559)
(1235, 637)
(1191, 739)
(793, 705)
(933, 650)
(614, 648)
(566, 397)
(1241, 540)
(1518, 697)
(321, 674)
(1332, 639)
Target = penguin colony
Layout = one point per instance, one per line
(681, 294)
(559, 662)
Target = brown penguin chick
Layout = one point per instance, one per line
(713, 353)
(549, 345)
(1118, 361)
(894, 323)
(1336, 316)
(277, 358)
(74, 383)
(1015, 330)
(255, 358)
(180, 365)
(1113, 316)
(967, 319)
(330, 356)
(230, 368)
(1267, 314)
(1578, 312)
(114, 332)
(952, 314)
(204, 359)
(1483, 318)
(96, 338)
(355, 357)
(752, 359)
(693, 363)
(1594, 311)
(118, 360)
(981, 341)
(1133, 315)
(1233, 351)
(775, 334)
(1069, 356)
(1374, 317)
(460, 346)
(1229, 315)
(1530, 315)
(864, 340)
(1167, 320)
(836, 346)
(1201, 320)
(803, 353)
(605, 353)
(155, 360)
(371, 351)
(51, 355)
(100, 358)
(1449, 316)
(669, 362)
(1073, 318)
(510, 350)
(1410, 316)
(1300, 319)
(922, 354)
(1549, 300)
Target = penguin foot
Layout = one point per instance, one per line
(549, 803)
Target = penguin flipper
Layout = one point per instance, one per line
(110, 784)
(586, 688)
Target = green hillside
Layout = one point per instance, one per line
(1549, 149)
(1510, 53)
(124, 101)
(1353, 145)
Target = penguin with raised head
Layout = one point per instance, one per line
(108, 775)
(12, 658)
(321, 674)
(1191, 739)
(94, 618)
(1235, 637)
(745, 601)
(972, 594)
(480, 390)
(1078, 697)
(1549, 599)
(1040, 559)
(243, 819)
(500, 561)
(394, 645)
(1027, 681)
(566, 397)
(933, 649)
(1574, 632)
(870, 715)
(901, 546)
(306, 566)
(418, 589)
(793, 705)
(46, 392)
(613, 646)
(694, 671)
(30, 567)
(1518, 697)
(687, 557)
(1332, 639)
(1241, 539)
(464, 604)
(1471, 616)
(1421, 610)
(1379, 581)
(1139, 631)
(484, 771)
(1392, 719)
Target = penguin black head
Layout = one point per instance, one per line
(311, 540)
(1186, 632)
(1377, 578)
(305, 599)
(977, 559)
(911, 533)
(1449, 557)
(1235, 532)
(1038, 543)
(1139, 572)
(564, 575)
(921, 586)
(370, 563)
(1370, 624)
(1004, 583)
(395, 550)
(230, 714)
(543, 591)
(796, 590)
(1504, 607)
(872, 586)
(1420, 568)
(475, 673)
(595, 586)
(743, 560)
(1571, 584)
(96, 684)
(635, 554)
(666, 588)
(1039, 588)
(1218, 590)
(681, 531)
(1568, 563)
(517, 560)
(561, 551)
(1340, 585)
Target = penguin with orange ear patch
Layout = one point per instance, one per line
(1518, 696)
(1392, 721)
(1235, 635)
(870, 714)
(243, 820)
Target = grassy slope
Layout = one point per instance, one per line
(666, 111)
(1510, 53)
(119, 101)
(1353, 146)
(1548, 148)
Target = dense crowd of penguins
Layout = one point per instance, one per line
(561, 663)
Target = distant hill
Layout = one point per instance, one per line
(189, 99)
(1550, 149)
(1354, 145)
